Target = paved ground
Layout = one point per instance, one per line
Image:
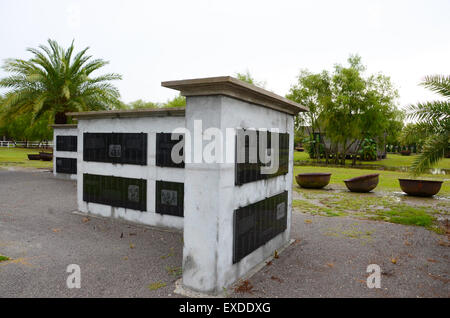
(42, 236)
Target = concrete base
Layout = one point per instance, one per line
(65, 176)
(157, 228)
(182, 290)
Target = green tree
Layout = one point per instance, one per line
(312, 91)
(413, 134)
(434, 118)
(23, 128)
(347, 108)
(139, 104)
(2, 128)
(361, 107)
(177, 101)
(248, 78)
(56, 81)
(395, 127)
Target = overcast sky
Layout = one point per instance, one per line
(153, 41)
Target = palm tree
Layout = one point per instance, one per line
(434, 118)
(54, 81)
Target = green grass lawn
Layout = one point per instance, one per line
(388, 180)
(392, 160)
(17, 157)
(385, 203)
(374, 206)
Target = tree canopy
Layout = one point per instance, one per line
(248, 78)
(55, 81)
(177, 101)
(313, 91)
(347, 106)
(22, 127)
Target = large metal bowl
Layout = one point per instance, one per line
(364, 183)
(46, 156)
(420, 188)
(313, 180)
(34, 157)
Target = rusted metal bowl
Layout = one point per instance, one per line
(313, 180)
(420, 188)
(46, 156)
(34, 157)
(405, 152)
(364, 183)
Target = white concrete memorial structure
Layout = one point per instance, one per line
(234, 213)
(212, 196)
(104, 130)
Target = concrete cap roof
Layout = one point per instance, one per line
(230, 86)
(128, 113)
(64, 126)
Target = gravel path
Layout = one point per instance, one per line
(330, 256)
(42, 236)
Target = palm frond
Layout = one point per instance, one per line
(439, 84)
(435, 111)
(433, 150)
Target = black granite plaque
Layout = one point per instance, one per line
(66, 143)
(115, 191)
(170, 198)
(124, 148)
(258, 223)
(66, 165)
(164, 146)
(249, 170)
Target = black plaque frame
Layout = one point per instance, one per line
(257, 223)
(123, 148)
(66, 165)
(164, 207)
(115, 191)
(164, 146)
(247, 172)
(66, 143)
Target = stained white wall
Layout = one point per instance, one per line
(150, 172)
(211, 196)
(58, 131)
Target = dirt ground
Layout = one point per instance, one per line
(41, 235)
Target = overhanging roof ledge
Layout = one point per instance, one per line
(233, 87)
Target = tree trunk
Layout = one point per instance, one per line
(60, 118)
(326, 153)
(316, 145)
(336, 154)
(344, 153)
(355, 153)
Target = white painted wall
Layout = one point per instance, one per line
(57, 131)
(211, 196)
(150, 172)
